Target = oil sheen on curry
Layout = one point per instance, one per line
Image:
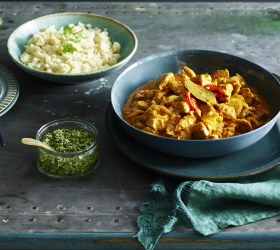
(188, 106)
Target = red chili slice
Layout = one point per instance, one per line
(218, 91)
(191, 101)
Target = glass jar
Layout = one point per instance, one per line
(67, 164)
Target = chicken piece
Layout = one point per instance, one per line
(188, 72)
(203, 79)
(211, 124)
(163, 80)
(183, 130)
(182, 107)
(208, 129)
(220, 74)
(169, 100)
(176, 85)
(227, 92)
(180, 78)
(158, 117)
(134, 101)
(207, 109)
(235, 81)
(248, 95)
(227, 111)
(159, 83)
(215, 128)
(142, 105)
(159, 97)
(200, 131)
(188, 120)
(213, 120)
(241, 80)
(238, 103)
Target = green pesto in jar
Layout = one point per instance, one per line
(73, 157)
(68, 140)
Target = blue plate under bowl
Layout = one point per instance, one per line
(200, 61)
(118, 32)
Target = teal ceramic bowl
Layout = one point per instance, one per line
(117, 31)
(201, 61)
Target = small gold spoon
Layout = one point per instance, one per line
(34, 142)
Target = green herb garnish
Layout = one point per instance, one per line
(68, 48)
(70, 37)
(67, 31)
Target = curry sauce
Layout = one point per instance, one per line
(189, 106)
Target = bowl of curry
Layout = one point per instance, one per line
(196, 103)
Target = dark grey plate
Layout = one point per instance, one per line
(262, 156)
(9, 90)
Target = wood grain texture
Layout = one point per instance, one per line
(100, 212)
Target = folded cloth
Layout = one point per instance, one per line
(207, 206)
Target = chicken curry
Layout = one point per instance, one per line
(189, 106)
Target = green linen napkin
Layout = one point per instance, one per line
(206, 206)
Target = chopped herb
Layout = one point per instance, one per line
(67, 30)
(71, 37)
(68, 141)
(68, 48)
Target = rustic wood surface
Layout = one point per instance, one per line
(100, 211)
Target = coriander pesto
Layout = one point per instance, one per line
(76, 153)
(68, 140)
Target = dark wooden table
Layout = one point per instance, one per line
(99, 212)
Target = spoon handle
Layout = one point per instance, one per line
(34, 142)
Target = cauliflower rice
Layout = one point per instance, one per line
(71, 49)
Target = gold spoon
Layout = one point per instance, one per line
(34, 142)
